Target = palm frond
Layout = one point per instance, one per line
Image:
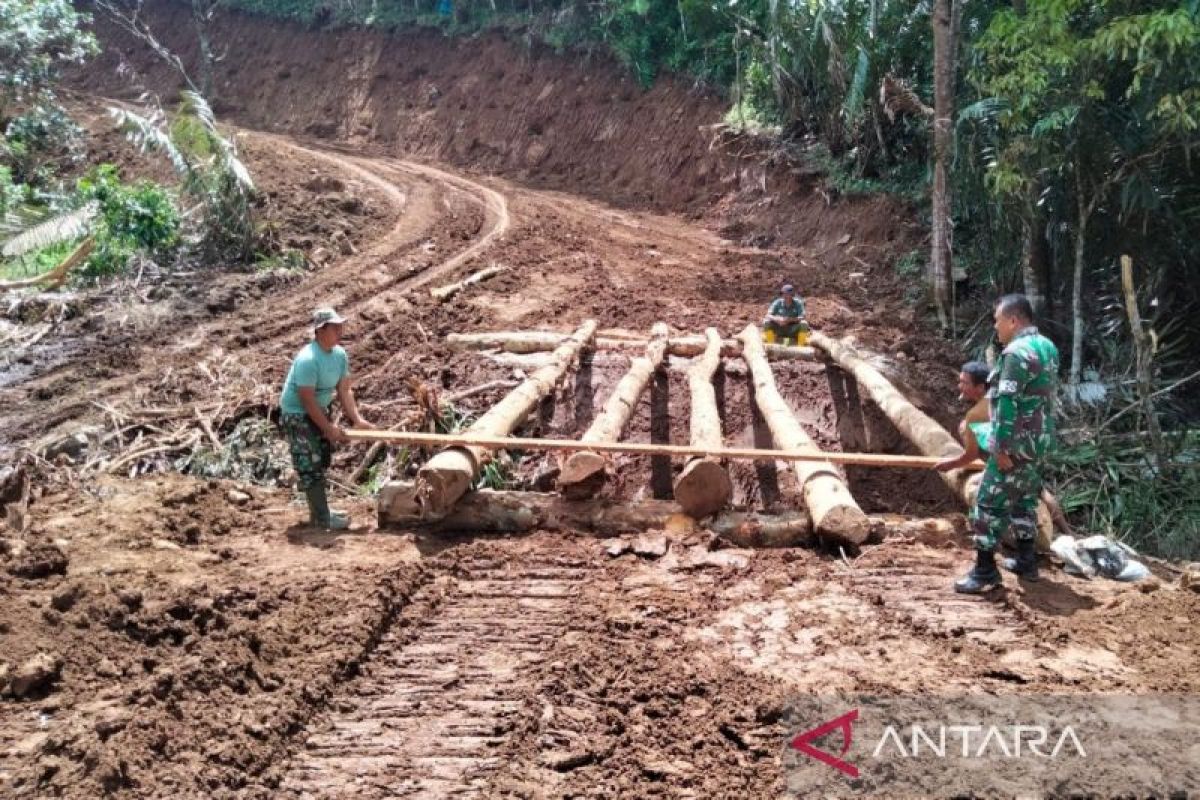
(149, 134)
(852, 107)
(985, 110)
(56, 229)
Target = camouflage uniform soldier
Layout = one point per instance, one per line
(1021, 408)
(319, 371)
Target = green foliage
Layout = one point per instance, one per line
(208, 164)
(40, 142)
(36, 262)
(38, 38)
(130, 218)
(1109, 486)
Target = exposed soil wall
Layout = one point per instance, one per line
(570, 122)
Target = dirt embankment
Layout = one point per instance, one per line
(503, 107)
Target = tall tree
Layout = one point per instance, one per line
(941, 275)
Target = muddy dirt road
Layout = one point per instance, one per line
(172, 636)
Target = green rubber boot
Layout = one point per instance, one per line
(319, 514)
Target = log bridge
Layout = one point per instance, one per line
(703, 488)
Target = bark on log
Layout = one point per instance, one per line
(526, 342)
(924, 432)
(487, 511)
(703, 487)
(583, 473)
(834, 512)
(448, 475)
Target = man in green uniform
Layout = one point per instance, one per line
(1021, 407)
(318, 371)
(785, 317)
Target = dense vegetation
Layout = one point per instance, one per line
(1067, 130)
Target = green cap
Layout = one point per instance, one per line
(326, 316)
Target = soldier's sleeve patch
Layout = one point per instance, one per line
(1007, 387)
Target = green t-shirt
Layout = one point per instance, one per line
(780, 308)
(314, 367)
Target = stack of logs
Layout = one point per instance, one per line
(703, 488)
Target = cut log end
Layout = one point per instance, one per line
(703, 488)
(583, 475)
(845, 524)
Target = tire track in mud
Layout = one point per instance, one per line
(440, 695)
(917, 590)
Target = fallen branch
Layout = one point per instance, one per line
(444, 293)
(57, 276)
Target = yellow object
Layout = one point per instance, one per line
(769, 336)
(802, 339)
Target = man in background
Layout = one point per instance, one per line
(785, 319)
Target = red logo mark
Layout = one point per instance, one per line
(803, 742)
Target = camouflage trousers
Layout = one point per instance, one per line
(311, 452)
(1004, 499)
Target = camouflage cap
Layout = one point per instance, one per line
(326, 316)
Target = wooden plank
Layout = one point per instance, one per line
(440, 440)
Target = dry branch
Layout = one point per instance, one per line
(584, 472)
(834, 512)
(703, 486)
(57, 276)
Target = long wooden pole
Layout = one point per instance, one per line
(834, 512)
(447, 476)
(703, 487)
(584, 472)
(525, 342)
(485, 442)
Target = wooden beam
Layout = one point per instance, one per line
(448, 475)
(834, 512)
(682, 346)
(584, 472)
(444, 293)
(704, 487)
(485, 442)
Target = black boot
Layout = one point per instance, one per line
(1025, 565)
(983, 577)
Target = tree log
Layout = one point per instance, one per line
(924, 432)
(704, 486)
(448, 475)
(683, 346)
(444, 293)
(583, 473)
(834, 512)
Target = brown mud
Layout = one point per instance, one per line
(169, 636)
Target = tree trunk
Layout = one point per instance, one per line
(201, 14)
(1144, 348)
(1034, 259)
(943, 132)
(834, 512)
(1076, 373)
(524, 342)
(584, 473)
(448, 475)
(704, 486)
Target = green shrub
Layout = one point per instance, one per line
(131, 218)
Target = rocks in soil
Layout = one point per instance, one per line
(238, 498)
(652, 544)
(35, 675)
